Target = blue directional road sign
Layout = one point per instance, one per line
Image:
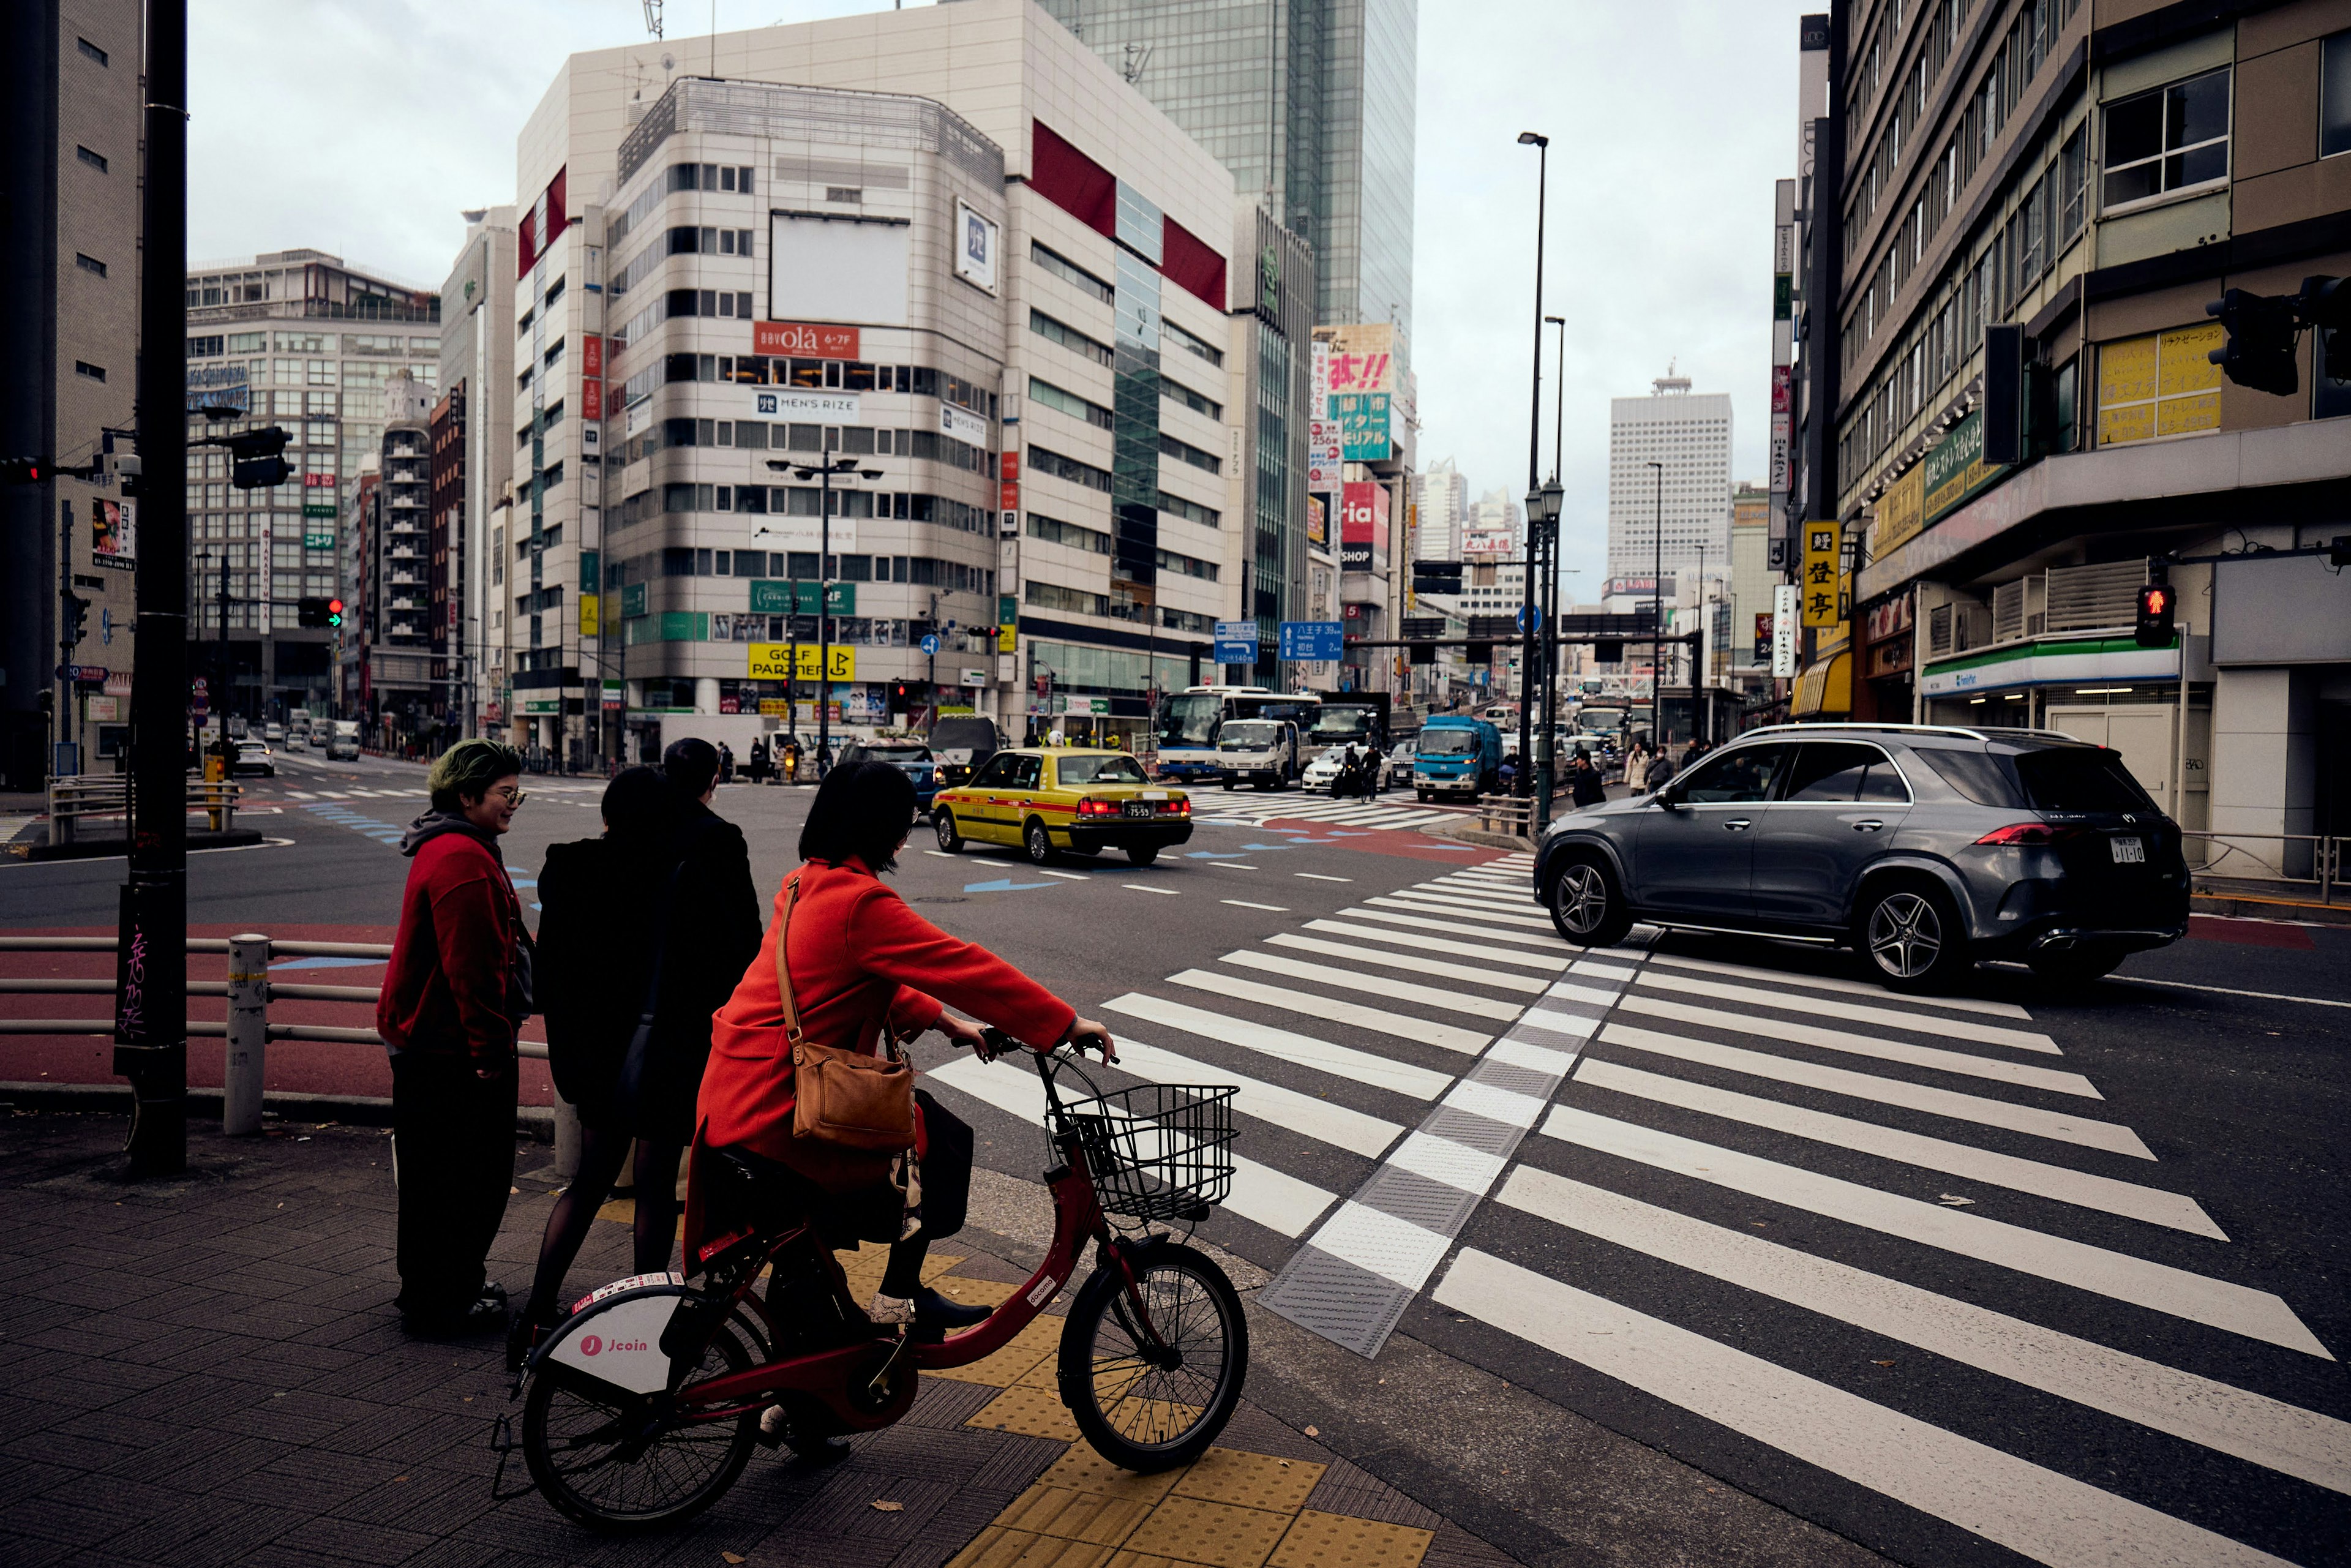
(931, 643)
(1313, 640)
(1523, 610)
(1237, 641)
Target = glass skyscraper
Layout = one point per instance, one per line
(1309, 101)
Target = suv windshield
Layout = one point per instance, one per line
(1248, 734)
(1071, 771)
(1448, 742)
(2064, 779)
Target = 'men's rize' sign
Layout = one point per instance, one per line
(804, 340)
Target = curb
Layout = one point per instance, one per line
(534, 1122)
(2230, 905)
(1481, 838)
(111, 848)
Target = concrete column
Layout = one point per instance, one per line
(706, 693)
(2265, 769)
(248, 1035)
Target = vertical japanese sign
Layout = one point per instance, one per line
(114, 534)
(1786, 604)
(1819, 583)
(591, 376)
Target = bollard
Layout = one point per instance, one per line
(248, 1035)
(567, 1138)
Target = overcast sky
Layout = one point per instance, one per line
(363, 128)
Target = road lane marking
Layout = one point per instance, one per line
(1245, 903)
(2229, 1420)
(1141, 887)
(2129, 1199)
(1064, 875)
(1468, 1041)
(1890, 1017)
(1438, 945)
(1377, 984)
(1318, 876)
(1275, 1199)
(2018, 1073)
(1419, 965)
(1230, 866)
(1306, 1115)
(1849, 987)
(2057, 1125)
(2156, 1286)
(2228, 991)
(1282, 1045)
(2036, 1512)
(942, 854)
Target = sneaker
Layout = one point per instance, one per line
(891, 1308)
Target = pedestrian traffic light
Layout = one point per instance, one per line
(2259, 351)
(2154, 610)
(257, 465)
(902, 697)
(76, 621)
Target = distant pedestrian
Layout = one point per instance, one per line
(655, 921)
(1585, 785)
(457, 988)
(1696, 748)
(1637, 764)
(758, 770)
(1659, 770)
(725, 763)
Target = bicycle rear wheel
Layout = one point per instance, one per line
(1145, 1408)
(615, 1462)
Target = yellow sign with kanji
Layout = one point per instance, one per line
(774, 661)
(1819, 584)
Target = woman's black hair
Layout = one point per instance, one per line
(692, 764)
(861, 809)
(638, 804)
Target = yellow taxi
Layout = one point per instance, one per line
(1064, 798)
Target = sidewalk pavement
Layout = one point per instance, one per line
(208, 1370)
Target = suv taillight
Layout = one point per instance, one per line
(2022, 835)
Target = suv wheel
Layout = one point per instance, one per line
(1588, 907)
(943, 823)
(1038, 842)
(1910, 932)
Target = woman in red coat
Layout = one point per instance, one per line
(859, 959)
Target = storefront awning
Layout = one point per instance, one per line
(2046, 660)
(1825, 690)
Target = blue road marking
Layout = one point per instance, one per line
(1004, 885)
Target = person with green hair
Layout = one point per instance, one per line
(454, 993)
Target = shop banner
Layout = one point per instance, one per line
(1956, 471)
(1819, 581)
(804, 340)
(1900, 513)
(781, 661)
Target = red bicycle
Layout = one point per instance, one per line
(644, 1404)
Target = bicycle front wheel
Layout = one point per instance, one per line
(610, 1460)
(1151, 1399)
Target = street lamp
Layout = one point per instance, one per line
(823, 472)
(1658, 615)
(1543, 534)
(1530, 611)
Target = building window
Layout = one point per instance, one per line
(1069, 272)
(84, 368)
(2335, 95)
(95, 160)
(90, 264)
(2161, 384)
(90, 50)
(2172, 138)
(1068, 402)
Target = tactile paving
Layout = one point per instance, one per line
(1251, 1480)
(1217, 1534)
(1082, 1470)
(1032, 1412)
(1335, 1541)
(1409, 1195)
(1003, 1368)
(1332, 1297)
(1069, 1514)
(996, 1547)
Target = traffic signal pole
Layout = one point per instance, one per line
(151, 1002)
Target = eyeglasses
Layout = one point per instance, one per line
(511, 795)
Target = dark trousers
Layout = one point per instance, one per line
(453, 1155)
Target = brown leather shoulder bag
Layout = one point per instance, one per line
(844, 1098)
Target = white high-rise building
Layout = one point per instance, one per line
(1491, 528)
(1689, 435)
(1441, 503)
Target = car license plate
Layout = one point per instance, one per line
(2128, 851)
(1138, 809)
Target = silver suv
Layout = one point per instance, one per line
(1926, 849)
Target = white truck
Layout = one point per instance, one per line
(1260, 751)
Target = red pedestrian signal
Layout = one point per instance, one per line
(2155, 603)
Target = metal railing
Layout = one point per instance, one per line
(245, 1030)
(76, 797)
(2264, 864)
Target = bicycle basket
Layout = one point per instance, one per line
(1157, 1151)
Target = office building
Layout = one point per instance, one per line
(1309, 103)
(472, 430)
(1687, 494)
(69, 373)
(1441, 509)
(1750, 580)
(724, 281)
(300, 340)
(1270, 542)
(1491, 526)
(2092, 180)
(386, 647)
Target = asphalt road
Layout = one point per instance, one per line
(1770, 1267)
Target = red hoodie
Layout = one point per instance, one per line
(446, 991)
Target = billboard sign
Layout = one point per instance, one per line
(1819, 582)
(776, 661)
(976, 246)
(114, 534)
(1318, 526)
(1363, 420)
(804, 340)
(1361, 358)
(1363, 526)
(819, 407)
(1324, 474)
(1785, 597)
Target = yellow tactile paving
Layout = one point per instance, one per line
(998, 1547)
(1144, 1560)
(1335, 1541)
(1068, 1514)
(1251, 1481)
(1152, 1421)
(1035, 1342)
(1082, 1470)
(864, 1266)
(1215, 1533)
(974, 1292)
(1032, 1412)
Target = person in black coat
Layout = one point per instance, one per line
(1583, 782)
(672, 877)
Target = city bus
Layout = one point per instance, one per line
(1188, 720)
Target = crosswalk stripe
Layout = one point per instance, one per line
(1283, 1045)
(1438, 945)
(2158, 1287)
(1275, 1199)
(1422, 917)
(2018, 1073)
(1485, 882)
(1483, 911)
(1304, 1113)
(2251, 1426)
(1891, 1018)
(1850, 987)
(1415, 962)
(1447, 1037)
(2035, 1511)
(2057, 1125)
(1377, 984)
(2128, 1199)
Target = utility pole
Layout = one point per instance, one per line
(225, 673)
(150, 998)
(72, 608)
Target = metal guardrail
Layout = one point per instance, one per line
(246, 1030)
(2305, 863)
(77, 797)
